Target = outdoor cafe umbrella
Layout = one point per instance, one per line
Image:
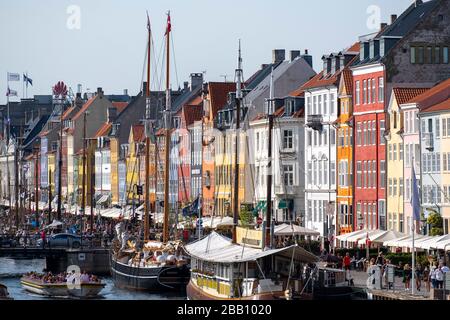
(289, 230)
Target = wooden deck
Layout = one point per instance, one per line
(394, 295)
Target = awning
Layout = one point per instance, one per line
(283, 204)
(219, 249)
(444, 245)
(215, 222)
(289, 230)
(433, 242)
(386, 236)
(344, 237)
(393, 242)
(372, 235)
(358, 236)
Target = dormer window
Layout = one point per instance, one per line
(289, 108)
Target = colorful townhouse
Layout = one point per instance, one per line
(434, 117)
(344, 155)
(214, 99)
(402, 135)
(321, 96)
(393, 57)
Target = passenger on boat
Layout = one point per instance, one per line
(84, 278)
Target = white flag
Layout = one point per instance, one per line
(13, 77)
(11, 93)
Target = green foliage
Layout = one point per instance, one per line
(435, 220)
(246, 217)
(436, 231)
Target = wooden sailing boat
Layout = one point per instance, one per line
(246, 267)
(157, 266)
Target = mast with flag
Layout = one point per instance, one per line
(167, 125)
(27, 81)
(147, 139)
(415, 203)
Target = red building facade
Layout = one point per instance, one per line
(370, 147)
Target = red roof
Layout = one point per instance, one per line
(297, 93)
(84, 108)
(403, 95)
(120, 106)
(218, 92)
(354, 48)
(433, 96)
(197, 101)
(191, 114)
(348, 80)
(443, 106)
(138, 132)
(103, 131)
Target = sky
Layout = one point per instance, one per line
(101, 43)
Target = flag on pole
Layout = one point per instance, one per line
(415, 201)
(13, 77)
(27, 80)
(11, 93)
(169, 25)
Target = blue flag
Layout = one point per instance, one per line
(27, 80)
(415, 200)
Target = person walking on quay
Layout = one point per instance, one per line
(379, 261)
(433, 275)
(347, 262)
(407, 277)
(426, 277)
(418, 276)
(439, 277)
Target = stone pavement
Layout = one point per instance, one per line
(360, 278)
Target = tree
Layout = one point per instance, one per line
(436, 224)
(246, 216)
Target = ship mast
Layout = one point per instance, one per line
(270, 107)
(167, 126)
(236, 150)
(147, 140)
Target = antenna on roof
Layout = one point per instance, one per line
(224, 76)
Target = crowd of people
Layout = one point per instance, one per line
(64, 277)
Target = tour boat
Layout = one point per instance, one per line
(83, 290)
(223, 270)
(4, 294)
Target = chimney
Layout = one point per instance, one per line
(79, 101)
(112, 114)
(383, 25)
(278, 55)
(100, 92)
(144, 88)
(79, 88)
(393, 18)
(196, 80)
(85, 96)
(294, 54)
(125, 92)
(308, 58)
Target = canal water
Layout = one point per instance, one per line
(12, 269)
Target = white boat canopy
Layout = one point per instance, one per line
(294, 230)
(215, 222)
(219, 249)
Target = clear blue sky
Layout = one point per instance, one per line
(108, 49)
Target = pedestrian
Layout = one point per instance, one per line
(379, 261)
(439, 277)
(407, 276)
(418, 276)
(426, 277)
(433, 275)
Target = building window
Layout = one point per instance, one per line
(333, 173)
(437, 55)
(382, 174)
(359, 174)
(382, 130)
(429, 55)
(373, 91)
(358, 92)
(288, 175)
(288, 139)
(445, 55)
(364, 91)
(358, 133)
(374, 133)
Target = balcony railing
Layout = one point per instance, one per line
(428, 141)
(314, 121)
(287, 190)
